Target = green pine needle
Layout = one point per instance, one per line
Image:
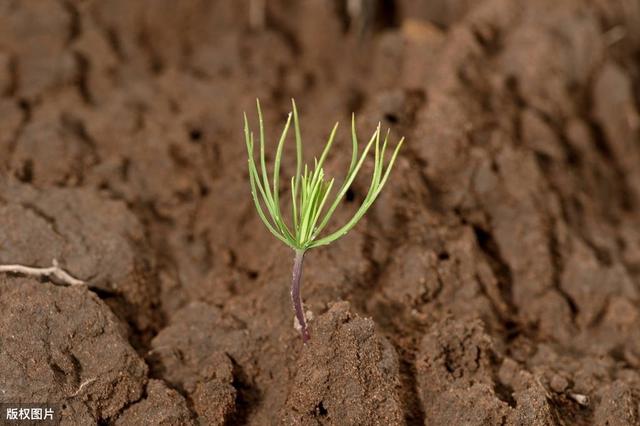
(310, 190)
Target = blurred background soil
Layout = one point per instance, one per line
(495, 281)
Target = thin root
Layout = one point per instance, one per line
(59, 274)
(82, 385)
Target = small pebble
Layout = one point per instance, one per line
(508, 371)
(580, 399)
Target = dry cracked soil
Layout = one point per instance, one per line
(496, 281)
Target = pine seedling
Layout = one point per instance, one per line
(310, 193)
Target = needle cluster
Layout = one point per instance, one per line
(310, 188)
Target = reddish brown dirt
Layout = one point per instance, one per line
(495, 281)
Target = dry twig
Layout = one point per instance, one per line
(52, 272)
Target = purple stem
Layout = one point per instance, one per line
(295, 294)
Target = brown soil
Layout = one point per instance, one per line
(495, 281)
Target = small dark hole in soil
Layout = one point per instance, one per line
(321, 410)
(24, 105)
(253, 275)
(391, 118)
(512, 330)
(505, 394)
(195, 135)
(25, 174)
(204, 190)
(483, 237)
(350, 195)
(443, 255)
(449, 364)
(512, 84)
(387, 14)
